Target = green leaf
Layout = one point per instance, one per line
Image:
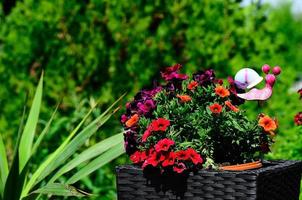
(59, 189)
(52, 156)
(74, 145)
(45, 130)
(30, 127)
(3, 165)
(88, 154)
(66, 149)
(97, 163)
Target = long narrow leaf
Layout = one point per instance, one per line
(103, 159)
(52, 156)
(12, 179)
(88, 154)
(59, 189)
(30, 126)
(3, 165)
(48, 165)
(13, 175)
(77, 142)
(45, 130)
(74, 145)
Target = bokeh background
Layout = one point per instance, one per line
(99, 49)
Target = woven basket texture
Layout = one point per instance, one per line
(276, 180)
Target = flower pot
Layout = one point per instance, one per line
(275, 180)
(241, 167)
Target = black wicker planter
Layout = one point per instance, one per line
(276, 180)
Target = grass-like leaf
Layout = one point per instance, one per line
(45, 130)
(52, 156)
(3, 165)
(88, 154)
(58, 189)
(30, 127)
(98, 162)
(74, 145)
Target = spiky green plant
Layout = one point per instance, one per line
(17, 181)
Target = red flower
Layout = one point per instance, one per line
(138, 157)
(151, 160)
(132, 121)
(194, 156)
(169, 160)
(215, 108)
(298, 119)
(231, 106)
(182, 155)
(184, 98)
(300, 92)
(146, 134)
(179, 168)
(160, 124)
(222, 92)
(164, 145)
(192, 85)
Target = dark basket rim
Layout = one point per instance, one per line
(268, 166)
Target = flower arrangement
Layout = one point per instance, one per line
(190, 122)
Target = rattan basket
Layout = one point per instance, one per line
(275, 180)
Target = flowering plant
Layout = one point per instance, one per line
(190, 121)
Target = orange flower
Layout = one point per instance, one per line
(268, 124)
(221, 91)
(231, 106)
(132, 121)
(184, 98)
(215, 108)
(192, 85)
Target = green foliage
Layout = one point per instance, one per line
(106, 47)
(15, 183)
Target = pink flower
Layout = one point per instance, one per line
(179, 168)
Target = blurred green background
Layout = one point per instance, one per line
(92, 49)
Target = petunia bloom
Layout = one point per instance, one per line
(222, 91)
(138, 157)
(184, 98)
(164, 145)
(170, 73)
(192, 85)
(169, 160)
(194, 156)
(298, 119)
(267, 123)
(151, 160)
(146, 106)
(179, 167)
(204, 78)
(146, 134)
(160, 124)
(215, 108)
(132, 121)
(182, 155)
(231, 106)
(300, 93)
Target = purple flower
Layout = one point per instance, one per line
(130, 141)
(170, 73)
(124, 118)
(234, 89)
(204, 78)
(150, 93)
(145, 107)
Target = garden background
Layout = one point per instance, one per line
(99, 49)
